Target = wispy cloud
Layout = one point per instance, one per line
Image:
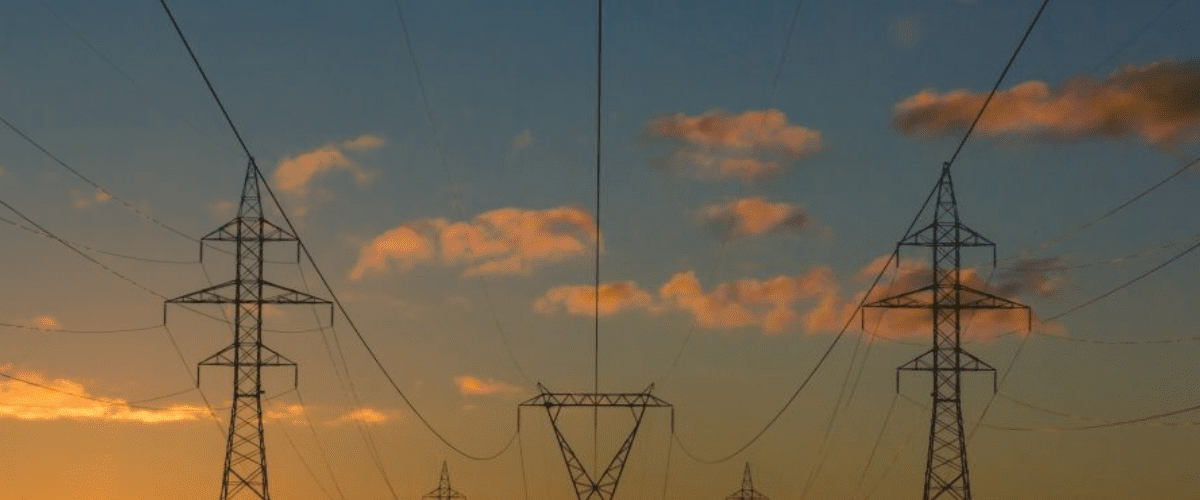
(754, 217)
(295, 174)
(1156, 103)
(61, 399)
(580, 300)
(474, 386)
(717, 145)
(522, 141)
(362, 415)
(501, 241)
(46, 322)
(814, 302)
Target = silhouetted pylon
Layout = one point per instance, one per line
(444, 491)
(587, 485)
(946, 473)
(245, 474)
(747, 492)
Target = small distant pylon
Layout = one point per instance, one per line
(444, 491)
(946, 473)
(747, 492)
(245, 475)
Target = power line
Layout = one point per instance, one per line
(105, 252)
(455, 202)
(362, 340)
(804, 383)
(98, 187)
(728, 234)
(207, 83)
(92, 47)
(996, 87)
(64, 330)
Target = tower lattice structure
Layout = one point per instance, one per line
(596, 484)
(946, 472)
(245, 474)
(444, 491)
(747, 492)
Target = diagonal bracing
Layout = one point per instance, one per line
(245, 473)
(946, 472)
(589, 485)
(747, 492)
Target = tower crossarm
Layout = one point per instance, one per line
(225, 293)
(591, 399)
(908, 300)
(603, 485)
(929, 236)
(270, 357)
(269, 232)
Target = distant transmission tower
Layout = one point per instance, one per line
(444, 491)
(946, 474)
(747, 492)
(245, 473)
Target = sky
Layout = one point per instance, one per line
(752, 184)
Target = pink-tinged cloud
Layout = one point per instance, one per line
(46, 322)
(501, 241)
(294, 174)
(717, 145)
(1156, 103)
(580, 300)
(768, 304)
(475, 386)
(754, 217)
(361, 415)
(1027, 277)
(66, 400)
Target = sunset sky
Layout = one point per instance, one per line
(746, 207)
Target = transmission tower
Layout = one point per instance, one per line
(747, 492)
(444, 491)
(245, 475)
(588, 485)
(946, 473)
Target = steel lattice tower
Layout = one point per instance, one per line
(444, 491)
(245, 475)
(946, 473)
(587, 485)
(747, 492)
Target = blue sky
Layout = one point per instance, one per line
(511, 88)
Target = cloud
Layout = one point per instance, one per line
(83, 201)
(363, 415)
(222, 209)
(473, 386)
(906, 31)
(294, 174)
(1156, 103)
(1027, 277)
(522, 141)
(364, 142)
(718, 145)
(62, 399)
(46, 322)
(291, 413)
(754, 217)
(501, 241)
(768, 304)
(580, 300)
(813, 302)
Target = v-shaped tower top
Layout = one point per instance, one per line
(747, 492)
(444, 491)
(251, 204)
